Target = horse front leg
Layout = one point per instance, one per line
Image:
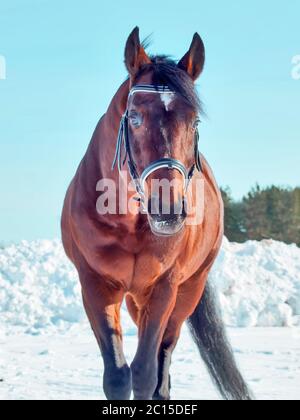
(102, 304)
(188, 298)
(153, 319)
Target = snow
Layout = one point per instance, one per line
(258, 284)
(47, 349)
(68, 365)
(39, 289)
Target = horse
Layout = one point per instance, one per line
(154, 260)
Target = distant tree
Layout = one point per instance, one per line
(233, 219)
(267, 213)
(272, 212)
(294, 227)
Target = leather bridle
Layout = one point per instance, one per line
(170, 163)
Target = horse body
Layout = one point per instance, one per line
(117, 256)
(128, 239)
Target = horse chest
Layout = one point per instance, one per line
(134, 271)
(147, 269)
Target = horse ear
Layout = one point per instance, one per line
(135, 55)
(193, 61)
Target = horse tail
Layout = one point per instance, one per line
(208, 332)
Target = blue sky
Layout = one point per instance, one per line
(65, 61)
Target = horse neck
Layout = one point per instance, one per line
(99, 156)
(107, 132)
(97, 163)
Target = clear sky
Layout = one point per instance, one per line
(64, 61)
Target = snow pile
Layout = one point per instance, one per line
(258, 284)
(39, 288)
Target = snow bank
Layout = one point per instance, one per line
(39, 288)
(258, 284)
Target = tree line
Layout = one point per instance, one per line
(271, 212)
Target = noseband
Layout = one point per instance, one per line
(169, 163)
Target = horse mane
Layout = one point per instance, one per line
(166, 72)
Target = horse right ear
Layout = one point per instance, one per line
(135, 55)
(193, 61)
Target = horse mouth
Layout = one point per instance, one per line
(166, 227)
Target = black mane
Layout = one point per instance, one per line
(166, 72)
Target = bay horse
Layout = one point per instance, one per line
(155, 260)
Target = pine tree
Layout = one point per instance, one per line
(272, 212)
(232, 218)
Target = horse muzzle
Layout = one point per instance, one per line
(166, 221)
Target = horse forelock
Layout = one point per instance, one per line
(165, 71)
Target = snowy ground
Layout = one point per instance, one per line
(47, 350)
(67, 365)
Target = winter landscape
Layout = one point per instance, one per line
(47, 349)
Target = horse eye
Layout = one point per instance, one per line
(196, 123)
(135, 119)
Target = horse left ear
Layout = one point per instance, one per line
(193, 61)
(135, 55)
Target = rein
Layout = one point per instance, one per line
(170, 163)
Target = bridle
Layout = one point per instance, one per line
(170, 163)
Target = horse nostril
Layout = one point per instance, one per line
(162, 211)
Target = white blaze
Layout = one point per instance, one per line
(167, 98)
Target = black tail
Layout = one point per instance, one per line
(209, 334)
